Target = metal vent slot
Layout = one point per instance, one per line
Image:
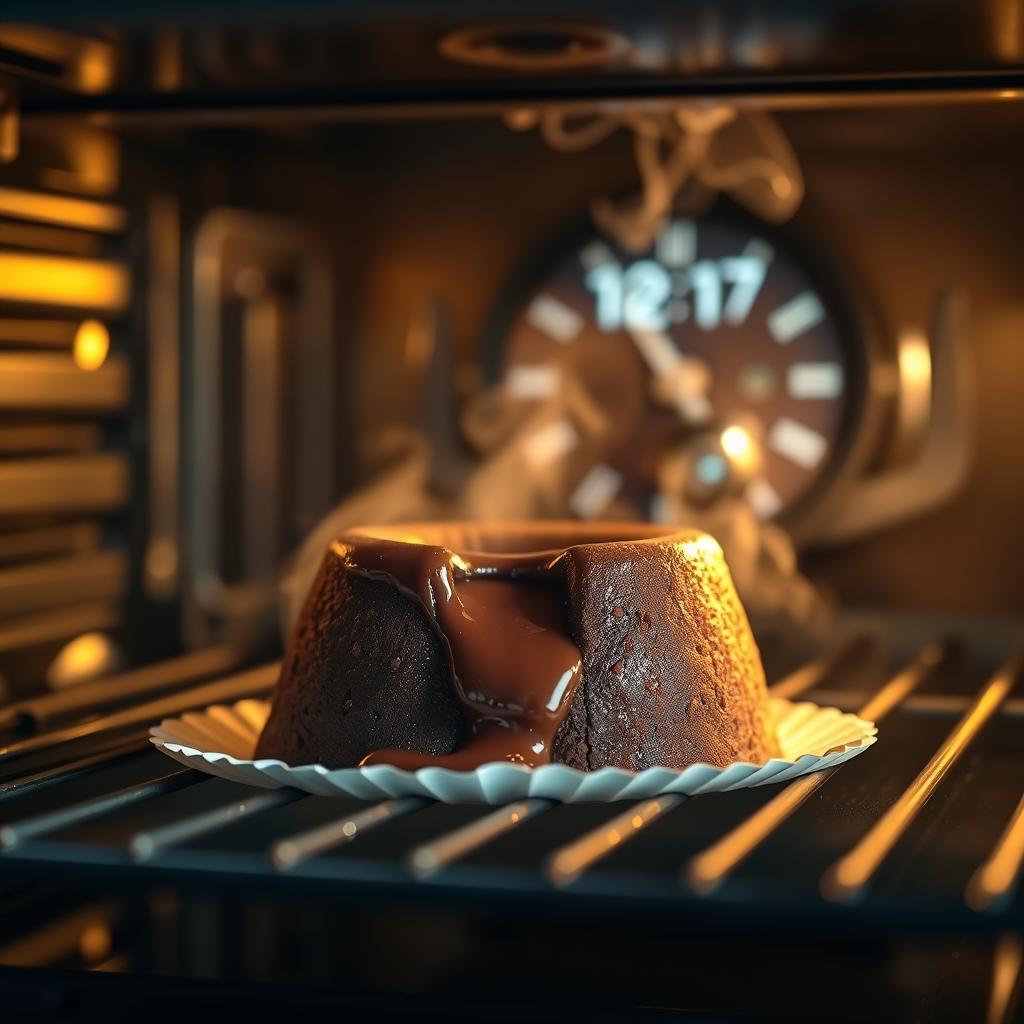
(49, 584)
(63, 281)
(54, 382)
(65, 389)
(79, 483)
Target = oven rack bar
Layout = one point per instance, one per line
(850, 875)
(245, 684)
(201, 840)
(709, 868)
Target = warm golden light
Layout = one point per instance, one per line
(739, 446)
(95, 69)
(705, 546)
(64, 210)
(62, 281)
(95, 942)
(735, 442)
(88, 656)
(915, 358)
(92, 343)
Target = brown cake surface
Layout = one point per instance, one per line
(587, 644)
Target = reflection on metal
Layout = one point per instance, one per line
(10, 124)
(740, 446)
(262, 296)
(39, 712)
(808, 676)
(155, 841)
(245, 684)
(62, 581)
(708, 869)
(85, 931)
(848, 877)
(914, 362)
(63, 281)
(38, 333)
(84, 659)
(64, 211)
(945, 450)
(92, 344)
(547, 46)
(106, 757)
(23, 829)
(1007, 968)
(76, 62)
(167, 59)
(63, 484)
(95, 943)
(87, 160)
(287, 853)
(51, 626)
(900, 687)
(263, 327)
(21, 545)
(439, 853)
(571, 861)
(44, 439)
(944, 704)
(46, 380)
(35, 236)
(162, 558)
(993, 883)
(1007, 28)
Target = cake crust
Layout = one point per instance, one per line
(396, 659)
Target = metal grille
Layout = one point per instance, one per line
(929, 825)
(923, 835)
(64, 400)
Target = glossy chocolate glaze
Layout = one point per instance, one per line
(590, 645)
(502, 619)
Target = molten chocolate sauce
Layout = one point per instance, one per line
(502, 619)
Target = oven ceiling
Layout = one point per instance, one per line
(167, 55)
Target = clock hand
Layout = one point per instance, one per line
(680, 381)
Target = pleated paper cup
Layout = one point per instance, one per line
(222, 739)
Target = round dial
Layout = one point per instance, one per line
(709, 365)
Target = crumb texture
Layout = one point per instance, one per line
(671, 672)
(363, 670)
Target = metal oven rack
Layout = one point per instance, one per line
(922, 836)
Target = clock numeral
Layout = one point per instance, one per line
(706, 282)
(746, 274)
(636, 298)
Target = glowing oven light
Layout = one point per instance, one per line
(92, 343)
(739, 446)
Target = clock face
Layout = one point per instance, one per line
(710, 364)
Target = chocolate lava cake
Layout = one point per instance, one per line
(456, 644)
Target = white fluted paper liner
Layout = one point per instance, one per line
(222, 739)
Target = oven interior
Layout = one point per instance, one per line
(258, 275)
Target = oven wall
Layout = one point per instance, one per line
(902, 203)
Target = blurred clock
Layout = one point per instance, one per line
(712, 364)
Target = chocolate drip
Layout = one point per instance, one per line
(456, 644)
(503, 622)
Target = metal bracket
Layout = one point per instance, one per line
(946, 448)
(268, 277)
